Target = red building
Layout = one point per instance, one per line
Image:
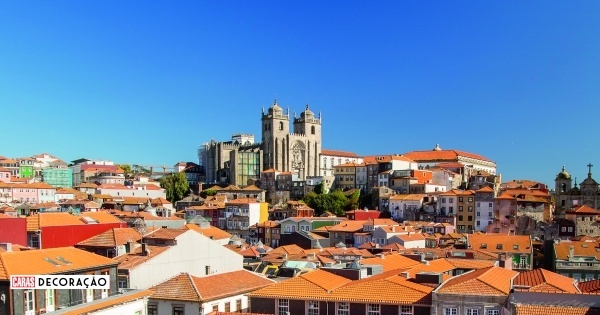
(51, 230)
(361, 215)
(13, 230)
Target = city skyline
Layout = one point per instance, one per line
(148, 83)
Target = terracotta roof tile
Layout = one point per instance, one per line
(486, 281)
(592, 286)
(522, 309)
(338, 153)
(42, 261)
(185, 287)
(134, 259)
(499, 243)
(88, 308)
(442, 155)
(391, 262)
(541, 280)
(112, 238)
(211, 231)
(561, 249)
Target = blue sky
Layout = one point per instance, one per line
(146, 82)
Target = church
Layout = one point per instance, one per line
(297, 152)
(569, 196)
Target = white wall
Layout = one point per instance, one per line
(129, 308)
(192, 254)
(133, 193)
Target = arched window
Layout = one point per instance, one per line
(312, 130)
(563, 187)
(281, 125)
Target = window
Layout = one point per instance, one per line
(450, 311)
(460, 199)
(49, 298)
(89, 295)
(373, 309)
(227, 307)
(492, 312)
(238, 305)
(29, 302)
(406, 310)
(215, 307)
(443, 200)
(343, 308)
(152, 309)
(470, 199)
(313, 308)
(470, 209)
(460, 208)
(499, 246)
(283, 306)
(451, 200)
(472, 311)
(178, 310)
(35, 241)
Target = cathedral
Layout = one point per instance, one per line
(297, 152)
(568, 196)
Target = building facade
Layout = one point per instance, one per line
(296, 151)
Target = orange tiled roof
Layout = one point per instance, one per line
(185, 287)
(541, 280)
(561, 249)
(507, 243)
(486, 281)
(34, 262)
(338, 153)
(348, 226)
(165, 234)
(592, 286)
(583, 209)
(442, 155)
(471, 263)
(134, 259)
(211, 232)
(527, 309)
(112, 238)
(314, 284)
(391, 262)
(39, 220)
(107, 302)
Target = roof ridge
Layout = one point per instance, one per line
(194, 286)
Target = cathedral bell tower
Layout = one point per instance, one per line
(275, 128)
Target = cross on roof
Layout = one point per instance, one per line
(590, 169)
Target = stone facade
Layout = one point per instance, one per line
(569, 196)
(297, 152)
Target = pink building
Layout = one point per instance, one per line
(32, 193)
(4, 175)
(505, 215)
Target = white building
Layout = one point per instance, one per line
(168, 252)
(332, 158)
(188, 294)
(144, 190)
(399, 204)
(411, 240)
(382, 234)
(484, 208)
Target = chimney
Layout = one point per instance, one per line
(6, 246)
(145, 249)
(571, 252)
(405, 274)
(129, 246)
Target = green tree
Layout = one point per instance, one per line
(334, 202)
(126, 169)
(208, 192)
(353, 200)
(175, 185)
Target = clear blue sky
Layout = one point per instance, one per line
(146, 82)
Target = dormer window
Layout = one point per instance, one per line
(483, 245)
(515, 247)
(499, 246)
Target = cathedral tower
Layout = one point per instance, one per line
(296, 152)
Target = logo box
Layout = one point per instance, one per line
(97, 282)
